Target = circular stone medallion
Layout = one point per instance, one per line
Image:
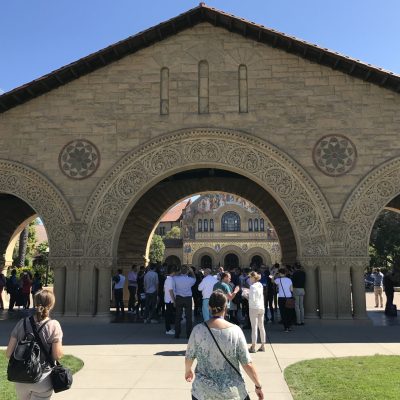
(79, 159)
(334, 155)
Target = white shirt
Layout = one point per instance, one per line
(132, 278)
(121, 283)
(168, 285)
(284, 288)
(206, 286)
(256, 296)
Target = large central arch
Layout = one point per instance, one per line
(229, 150)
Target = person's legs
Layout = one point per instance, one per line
(260, 320)
(283, 311)
(188, 312)
(169, 314)
(35, 391)
(205, 310)
(132, 298)
(152, 305)
(147, 307)
(376, 293)
(302, 307)
(296, 296)
(13, 298)
(117, 300)
(271, 307)
(254, 328)
(380, 296)
(1, 298)
(178, 315)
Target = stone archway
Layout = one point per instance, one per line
(205, 251)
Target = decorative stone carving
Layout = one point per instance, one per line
(365, 203)
(79, 159)
(238, 152)
(334, 155)
(27, 184)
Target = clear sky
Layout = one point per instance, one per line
(39, 36)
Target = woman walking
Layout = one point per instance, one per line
(220, 348)
(257, 310)
(51, 334)
(285, 288)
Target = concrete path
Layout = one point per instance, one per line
(138, 361)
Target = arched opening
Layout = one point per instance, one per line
(231, 260)
(256, 261)
(173, 260)
(206, 261)
(230, 222)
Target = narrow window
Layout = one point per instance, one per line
(203, 87)
(200, 225)
(262, 225)
(243, 96)
(255, 225)
(211, 225)
(250, 225)
(164, 92)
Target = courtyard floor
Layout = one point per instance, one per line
(138, 361)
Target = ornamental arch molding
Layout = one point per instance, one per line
(44, 198)
(238, 152)
(365, 203)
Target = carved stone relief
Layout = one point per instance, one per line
(43, 197)
(238, 152)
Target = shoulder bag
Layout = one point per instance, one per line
(289, 303)
(61, 377)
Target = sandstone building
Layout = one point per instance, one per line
(100, 148)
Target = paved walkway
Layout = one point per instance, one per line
(137, 361)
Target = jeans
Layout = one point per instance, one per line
(257, 323)
(298, 294)
(151, 304)
(183, 303)
(285, 313)
(119, 302)
(132, 297)
(169, 315)
(205, 310)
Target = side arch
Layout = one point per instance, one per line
(205, 251)
(236, 250)
(258, 251)
(365, 203)
(258, 160)
(45, 199)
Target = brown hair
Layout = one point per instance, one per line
(217, 302)
(255, 275)
(43, 301)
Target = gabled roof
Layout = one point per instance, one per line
(201, 13)
(175, 213)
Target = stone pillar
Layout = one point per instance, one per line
(311, 297)
(327, 289)
(343, 289)
(59, 268)
(87, 289)
(104, 288)
(72, 288)
(358, 266)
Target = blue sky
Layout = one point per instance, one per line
(39, 36)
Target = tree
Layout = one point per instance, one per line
(174, 233)
(23, 244)
(157, 249)
(385, 240)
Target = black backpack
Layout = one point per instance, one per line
(25, 365)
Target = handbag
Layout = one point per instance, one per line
(289, 302)
(25, 364)
(61, 377)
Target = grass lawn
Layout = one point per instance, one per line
(7, 391)
(359, 378)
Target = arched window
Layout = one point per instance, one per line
(230, 222)
(200, 225)
(255, 225)
(262, 228)
(250, 225)
(211, 225)
(205, 225)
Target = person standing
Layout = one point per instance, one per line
(132, 287)
(225, 287)
(169, 300)
(219, 348)
(119, 283)
(388, 283)
(36, 283)
(2, 286)
(183, 283)
(151, 290)
(206, 287)
(256, 310)
(285, 288)
(299, 282)
(43, 301)
(26, 285)
(378, 287)
(12, 289)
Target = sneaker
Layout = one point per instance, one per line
(252, 349)
(262, 348)
(153, 321)
(170, 332)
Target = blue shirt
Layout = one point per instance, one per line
(183, 285)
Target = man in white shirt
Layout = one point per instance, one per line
(119, 282)
(206, 288)
(169, 300)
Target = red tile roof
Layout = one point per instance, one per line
(175, 213)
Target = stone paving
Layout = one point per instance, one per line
(137, 361)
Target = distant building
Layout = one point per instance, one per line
(220, 229)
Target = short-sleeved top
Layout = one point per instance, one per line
(225, 288)
(215, 379)
(283, 285)
(168, 285)
(183, 285)
(51, 333)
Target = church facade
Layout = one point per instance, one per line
(204, 102)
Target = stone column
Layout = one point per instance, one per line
(87, 289)
(311, 297)
(343, 289)
(59, 267)
(72, 288)
(104, 288)
(327, 289)
(358, 266)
